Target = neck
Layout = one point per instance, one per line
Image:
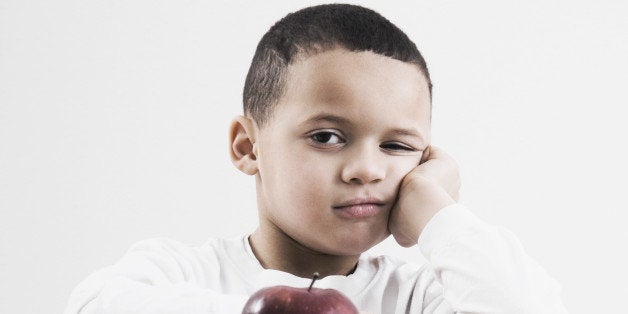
(276, 250)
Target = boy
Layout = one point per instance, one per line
(336, 132)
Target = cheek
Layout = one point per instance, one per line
(402, 167)
(311, 178)
(297, 178)
(299, 193)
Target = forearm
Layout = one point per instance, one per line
(122, 295)
(484, 269)
(156, 276)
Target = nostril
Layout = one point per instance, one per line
(355, 181)
(363, 181)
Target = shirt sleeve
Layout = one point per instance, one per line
(482, 269)
(153, 277)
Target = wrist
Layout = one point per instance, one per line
(419, 200)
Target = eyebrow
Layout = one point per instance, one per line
(407, 132)
(329, 118)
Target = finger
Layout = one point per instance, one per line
(436, 152)
(425, 156)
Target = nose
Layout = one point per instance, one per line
(364, 166)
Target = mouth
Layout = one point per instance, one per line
(360, 208)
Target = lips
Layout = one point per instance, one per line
(361, 207)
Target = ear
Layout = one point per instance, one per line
(242, 135)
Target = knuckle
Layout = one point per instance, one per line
(413, 181)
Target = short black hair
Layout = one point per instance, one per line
(313, 30)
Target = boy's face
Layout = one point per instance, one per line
(348, 128)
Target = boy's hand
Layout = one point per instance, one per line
(431, 186)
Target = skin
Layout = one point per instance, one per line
(349, 125)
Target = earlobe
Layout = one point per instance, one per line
(242, 135)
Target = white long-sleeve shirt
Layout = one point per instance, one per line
(472, 267)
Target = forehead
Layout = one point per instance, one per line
(358, 85)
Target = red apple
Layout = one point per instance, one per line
(284, 299)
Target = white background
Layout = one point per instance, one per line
(114, 116)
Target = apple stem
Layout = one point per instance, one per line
(314, 277)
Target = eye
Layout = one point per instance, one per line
(326, 138)
(397, 146)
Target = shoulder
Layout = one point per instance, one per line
(394, 267)
(389, 262)
(163, 246)
(393, 278)
(174, 260)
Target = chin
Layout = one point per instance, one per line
(354, 246)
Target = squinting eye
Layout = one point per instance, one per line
(395, 146)
(326, 138)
